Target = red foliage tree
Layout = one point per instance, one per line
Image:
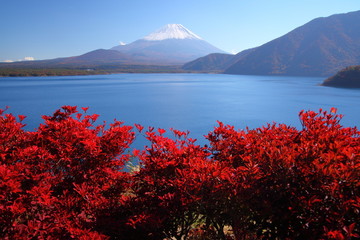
(165, 208)
(62, 180)
(291, 184)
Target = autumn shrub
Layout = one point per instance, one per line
(292, 184)
(63, 180)
(162, 203)
(66, 180)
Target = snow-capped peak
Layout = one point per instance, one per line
(171, 31)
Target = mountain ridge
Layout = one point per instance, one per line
(320, 47)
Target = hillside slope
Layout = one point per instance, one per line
(319, 48)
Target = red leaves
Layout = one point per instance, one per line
(85, 109)
(66, 181)
(319, 165)
(139, 127)
(56, 181)
(161, 131)
(69, 109)
(333, 110)
(178, 133)
(21, 117)
(94, 117)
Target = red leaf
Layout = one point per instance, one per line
(85, 109)
(21, 117)
(139, 127)
(161, 131)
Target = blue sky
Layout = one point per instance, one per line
(45, 29)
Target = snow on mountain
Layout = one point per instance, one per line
(171, 31)
(172, 44)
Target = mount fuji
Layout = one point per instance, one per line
(171, 31)
(163, 50)
(173, 44)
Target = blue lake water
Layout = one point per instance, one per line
(191, 102)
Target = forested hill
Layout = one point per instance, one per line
(348, 77)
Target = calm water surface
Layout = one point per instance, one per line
(191, 102)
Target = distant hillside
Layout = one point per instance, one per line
(319, 48)
(347, 78)
(215, 62)
(96, 57)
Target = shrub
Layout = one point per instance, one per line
(293, 184)
(66, 180)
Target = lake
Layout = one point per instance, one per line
(191, 102)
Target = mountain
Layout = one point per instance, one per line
(347, 78)
(319, 48)
(160, 51)
(170, 45)
(214, 62)
(99, 56)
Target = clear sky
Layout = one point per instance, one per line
(45, 29)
